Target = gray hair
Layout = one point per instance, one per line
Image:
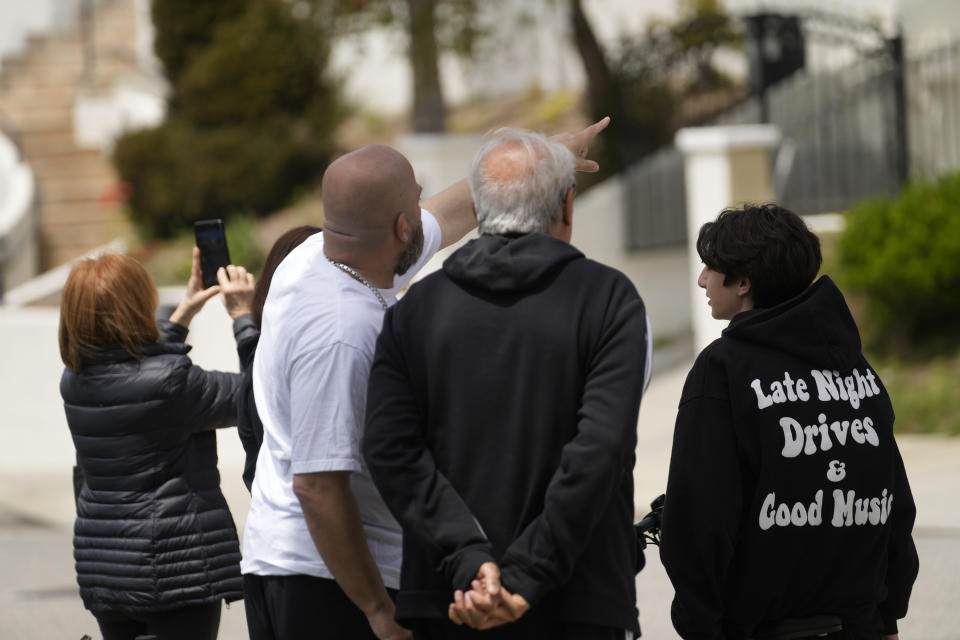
(530, 199)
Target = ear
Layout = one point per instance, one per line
(744, 287)
(402, 228)
(568, 207)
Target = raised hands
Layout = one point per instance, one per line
(579, 144)
(195, 297)
(236, 285)
(487, 604)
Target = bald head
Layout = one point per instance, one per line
(363, 191)
(510, 162)
(519, 181)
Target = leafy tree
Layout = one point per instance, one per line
(251, 114)
(185, 27)
(643, 83)
(432, 27)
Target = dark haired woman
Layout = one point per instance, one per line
(249, 426)
(155, 545)
(787, 497)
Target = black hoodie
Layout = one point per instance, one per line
(501, 426)
(787, 496)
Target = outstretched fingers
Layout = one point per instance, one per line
(579, 144)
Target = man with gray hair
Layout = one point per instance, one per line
(501, 418)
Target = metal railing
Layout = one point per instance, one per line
(845, 138)
(933, 90)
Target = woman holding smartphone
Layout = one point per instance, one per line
(155, 545)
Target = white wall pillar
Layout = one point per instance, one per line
(725, 166)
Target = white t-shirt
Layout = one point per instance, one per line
(320, 329)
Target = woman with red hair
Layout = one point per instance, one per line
(155, 545)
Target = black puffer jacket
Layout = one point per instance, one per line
(153, 531)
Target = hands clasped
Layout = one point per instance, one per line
(487, 604)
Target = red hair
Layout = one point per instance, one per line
(107, 300)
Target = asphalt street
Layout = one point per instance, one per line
(38, 593)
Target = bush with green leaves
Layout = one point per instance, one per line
(251, 116)
(181, 173)
(904, 255)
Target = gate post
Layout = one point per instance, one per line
(724, 166)
(901, 150)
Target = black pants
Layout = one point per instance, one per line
(529, 627)
(301, 607)
(200, 622)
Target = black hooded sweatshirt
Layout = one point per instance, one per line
(787, 496)
(501, 426)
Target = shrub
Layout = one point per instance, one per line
(904, 254)
(266, 64)
(251, 116)
(185, 27)
(180, 173)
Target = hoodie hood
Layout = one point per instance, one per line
(815, 326)
(509, 262)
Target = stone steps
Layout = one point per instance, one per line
(41, 117)
(37, 93)
(66, 214)
(85, 163)
(71, 229)
(73, 189)
(41, 144)
(26, 94)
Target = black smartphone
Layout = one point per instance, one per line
(212, 242)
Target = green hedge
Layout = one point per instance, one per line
(904, 254)
(250, 120)
(266, 64)
(180, 173)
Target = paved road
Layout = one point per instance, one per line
(38, 597)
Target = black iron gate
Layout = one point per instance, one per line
(843, 121)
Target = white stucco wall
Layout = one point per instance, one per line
(21, 18)
(134, 102)
(18, 252)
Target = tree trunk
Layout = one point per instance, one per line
(600, 82)
(617, 144)
(429, 111)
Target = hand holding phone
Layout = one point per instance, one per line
(212, 242)
(196, 294)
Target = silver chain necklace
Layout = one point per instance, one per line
(350, 271)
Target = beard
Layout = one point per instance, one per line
(411, 253)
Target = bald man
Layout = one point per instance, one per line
(321, 552)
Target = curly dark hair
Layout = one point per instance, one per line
(769, 245)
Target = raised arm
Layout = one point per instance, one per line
(453, 207)
(195, 297)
